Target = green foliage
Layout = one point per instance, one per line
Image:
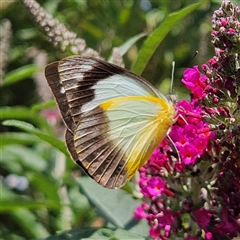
(31, 127)
(153, 41)
(112, 206)
(20, 74)
(97, 233)
(45, 137)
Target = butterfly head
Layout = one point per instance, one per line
(172, 97)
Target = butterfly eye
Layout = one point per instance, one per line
(172, 97)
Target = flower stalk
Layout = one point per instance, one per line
(57, 33)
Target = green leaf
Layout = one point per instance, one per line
(9, 162)
(28, 223)
(46, 137)
(44, 184)
(16, 206)
(26, 156)
(44, 105)
(97, 234)
(21, 73)
(90, 28)
(17, 138)
(11, 205)
(23, 113)
(115, 205)
(128, 44)
(11, 202)
(153, 41)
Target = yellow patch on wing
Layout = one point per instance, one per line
(137, 124)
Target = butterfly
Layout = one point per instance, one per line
(114, 118)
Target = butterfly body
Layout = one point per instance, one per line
(114, 118)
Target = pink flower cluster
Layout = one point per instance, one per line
(170, 165)
(195, 82)
(190, 136)
(191, 184)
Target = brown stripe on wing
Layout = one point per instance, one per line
(79, 75)
(52, 76)
(103, 160)
(71, 148)
(70, 145)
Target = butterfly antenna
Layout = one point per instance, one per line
(194, 56)
(172, 77)
(172, 96)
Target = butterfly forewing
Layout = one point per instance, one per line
(53, 78)
(115, 119)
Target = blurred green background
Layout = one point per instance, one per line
(39, 193)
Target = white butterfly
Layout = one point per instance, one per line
(115, 119)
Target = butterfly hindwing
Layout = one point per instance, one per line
(102, 159)
(116, 138)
